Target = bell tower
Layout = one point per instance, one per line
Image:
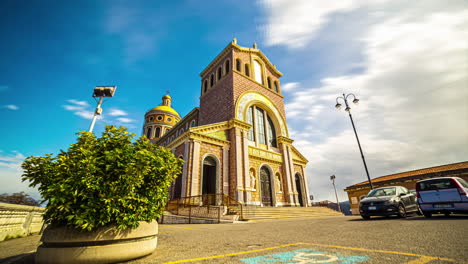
(233, 72)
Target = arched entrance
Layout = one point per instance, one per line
(209, 180)
(299, 189)
(265, 183)
(178, 187)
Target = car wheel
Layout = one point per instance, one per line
(365, 217)
(419, 212)
(401, 211)
(427, 214)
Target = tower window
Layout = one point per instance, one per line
(227, 67)
(212, 80)
(158, 132)
(205, 86)
(159, 118)
(220, 73)
(192, 124)
(148, 132)
(247, 70)
(238, 65)
(258, 72)
(269, 82)
(276, 87)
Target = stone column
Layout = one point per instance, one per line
(225, 174)
(184, 192)
(287, 173)
(239, 162)
(306, 187)
(293, 177)
(245, 158)
(195, 189)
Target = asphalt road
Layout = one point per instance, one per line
(346, 239)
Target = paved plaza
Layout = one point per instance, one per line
(342, 239)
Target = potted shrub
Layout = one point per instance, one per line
(104, 196)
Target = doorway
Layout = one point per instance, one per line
(299, 189)
(265, 183)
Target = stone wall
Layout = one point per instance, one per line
(19, 220)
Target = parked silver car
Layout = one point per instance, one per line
(442, 195)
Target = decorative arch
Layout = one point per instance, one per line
(253, 179)
(238, 65)
(220, 72)
(205, 86)
(300, 189)
(216, 174)
(212, 80)
(250, 98)
(258, 68)
(177, 187)
(227, 66)
(261, 184)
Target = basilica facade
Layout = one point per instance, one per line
(236, 142)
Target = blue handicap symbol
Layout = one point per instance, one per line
(305, 256)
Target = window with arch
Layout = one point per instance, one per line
(238, 65)
(247, 70)
(263, 129)
(276, 86)
(227, 67)
(212, 80)
(269, 82)
(258, 71)
(148, 132)
(220, 73)
(192, 124)
(181, 131)
(158, 132)
(205, 86)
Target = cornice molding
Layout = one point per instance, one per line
(284, 140)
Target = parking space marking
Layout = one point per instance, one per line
(421, 259)
(385, 251)
(306, 256)
(231, 254)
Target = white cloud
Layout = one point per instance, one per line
(125, 120)
(12, 107)
(80, 108)
(289, 87)
(117, 112)
(414, 102)
(10, 174)
(80, 103)
(295, 23)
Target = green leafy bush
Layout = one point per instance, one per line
(104, 181)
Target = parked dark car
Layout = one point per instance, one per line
(386, 201)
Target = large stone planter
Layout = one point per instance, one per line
(105, 245)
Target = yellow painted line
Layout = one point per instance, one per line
(230, 254)
(421, 258)
(188, 228)
(381, 251)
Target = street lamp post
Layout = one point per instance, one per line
(332, 178)
(348, 109)
(101, 92)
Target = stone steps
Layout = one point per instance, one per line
(257, 213)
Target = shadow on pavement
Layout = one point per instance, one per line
(412, 218)
(19, 259)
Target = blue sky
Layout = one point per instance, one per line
(405, 61)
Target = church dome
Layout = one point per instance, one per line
(165, 108)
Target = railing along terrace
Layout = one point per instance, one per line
(210, 206)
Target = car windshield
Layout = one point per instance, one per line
(382, 192)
